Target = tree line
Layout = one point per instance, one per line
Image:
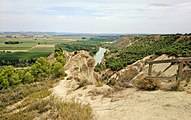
(42, 69)
(12, 42)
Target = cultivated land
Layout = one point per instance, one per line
(27, 44)
(30, 47)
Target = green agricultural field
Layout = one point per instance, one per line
(57, 39)
(43, 48)
(25, 43)
(22, 55)
(29, 49)
(28, 43)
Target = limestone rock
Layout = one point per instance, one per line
(80, 66)
(124, 76)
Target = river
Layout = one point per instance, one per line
(99, 55)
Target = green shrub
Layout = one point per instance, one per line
(41, 69)
(111, 82)
(58, 70)
(28, 78)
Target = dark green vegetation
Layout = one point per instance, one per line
(12, 42)
(21, 59)
(144, 45)
(100, 67)
(42, 69)
(91, 45)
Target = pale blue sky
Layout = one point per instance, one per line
(96, 16)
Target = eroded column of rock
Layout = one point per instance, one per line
(80, 67)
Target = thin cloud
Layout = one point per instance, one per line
(160, 4)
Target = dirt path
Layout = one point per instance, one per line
(142, 105)
(13, 50)
(131, 104)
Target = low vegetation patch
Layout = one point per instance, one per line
(146, 84)
(111, 82)
(13, 95)
(54, 109)
(98, 84)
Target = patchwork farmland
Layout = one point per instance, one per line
(29, 48)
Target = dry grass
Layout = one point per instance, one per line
(145, 84)
(98, 84)
(13, 95)
(34, 101)
(173, 86)
(16, 98)
(53, 109)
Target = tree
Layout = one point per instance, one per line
(9, 74)
(21, 73)
(28, 78)
(58, 51)
(14, 79)
(41, 69)
(60, 59)
(58, 70)
(3, 82)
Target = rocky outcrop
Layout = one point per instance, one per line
(80, 67)
(164, 69)
(81, 79)
(124, 76)
(138, 70)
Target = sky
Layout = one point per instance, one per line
(96, 16)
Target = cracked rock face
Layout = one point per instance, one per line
(124, 77)
(81, 67)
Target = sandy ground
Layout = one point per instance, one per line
(13, 50)
(44, 46)
(130, 104)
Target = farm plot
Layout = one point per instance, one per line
(25, 44)
(42, 48)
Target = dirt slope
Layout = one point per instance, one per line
(126, 104)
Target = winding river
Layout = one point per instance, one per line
(99, 55)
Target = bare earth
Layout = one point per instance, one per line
(130, 104)
(13, 50)
(144, 105)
